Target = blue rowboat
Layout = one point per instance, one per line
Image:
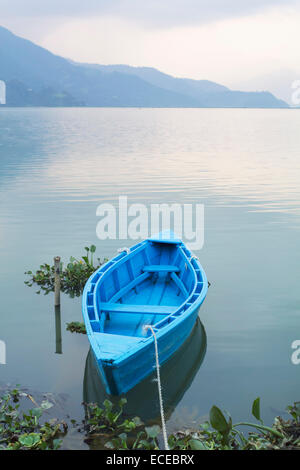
(157, 282)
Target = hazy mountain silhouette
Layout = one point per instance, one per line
(36, 77)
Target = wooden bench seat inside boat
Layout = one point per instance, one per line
(141, 309)
(155, 268)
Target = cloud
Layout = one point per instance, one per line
(151, 13)
(228, 51)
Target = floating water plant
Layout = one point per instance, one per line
(108, 422)
(219, 433)
(76, 327)
(72, 277)
(24, 430)
(107, 426)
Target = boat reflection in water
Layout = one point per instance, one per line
(176, 377)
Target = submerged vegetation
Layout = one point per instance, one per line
(73, 276)
(108, 427)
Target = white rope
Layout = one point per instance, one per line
(120, 250)
(162, 413)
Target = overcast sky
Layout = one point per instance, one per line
(239, 43)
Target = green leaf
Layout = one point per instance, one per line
(294, 410)
(152, 431)
(256, 409)
(109, 445)
(137, 421)
(45, 405)
(93, 249)
(218, 420)
(110, 416)
(122, 402)
(57, 443)
(195, 444)
(29, 440)
(108, 405)
(37, 412)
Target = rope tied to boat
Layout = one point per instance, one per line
(120, 250)
(161, 405)
(196, 257)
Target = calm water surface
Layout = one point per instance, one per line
(58, 165)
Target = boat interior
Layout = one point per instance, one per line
(152, 285)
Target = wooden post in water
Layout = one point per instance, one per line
(58, 337)
(56, 281)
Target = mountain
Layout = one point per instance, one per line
(38, 70)
(194, 88)
(209, 94)
(36, 77)
(284, 83)
(17, 94)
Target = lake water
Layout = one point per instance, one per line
(58, 165)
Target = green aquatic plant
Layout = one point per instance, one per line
(146, 440)
(119, 433)
(73, 277)
(76, 327)
(108, 427)
(221, 434)
(24, 430)
(108, 417)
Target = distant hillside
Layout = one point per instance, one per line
(194, 88)
(17, 94)
(36, 77)
(207, 93)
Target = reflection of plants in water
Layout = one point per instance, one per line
(73, 276)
